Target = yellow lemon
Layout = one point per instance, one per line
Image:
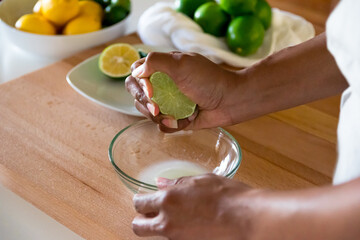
(91, 8)
(37, 7)
(35, 23)
(59, 11)
(115, 61)
(82, 24)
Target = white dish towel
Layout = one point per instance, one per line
(161, 25)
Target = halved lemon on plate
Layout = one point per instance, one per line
(116, 60)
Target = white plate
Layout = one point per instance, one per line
(90, 82)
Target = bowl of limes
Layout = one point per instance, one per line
(60, 28)
(242, 23)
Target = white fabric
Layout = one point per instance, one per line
(161, 25)
(343, 39)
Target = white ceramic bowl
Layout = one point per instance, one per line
(58, 46)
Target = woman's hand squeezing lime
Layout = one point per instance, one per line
(182, 90)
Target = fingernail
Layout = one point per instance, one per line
(151, 108)
(170, 123)
(144, 87)
(138, 71)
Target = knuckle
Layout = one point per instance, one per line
(166, 228)
(167, 197)
(128, 81)
(180, 57)
(206, 179)
(151, 56)
(163, 226)
(135, 65)
(141, 97)
(210, 176)
(194, 54)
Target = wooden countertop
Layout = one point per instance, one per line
(54, 145)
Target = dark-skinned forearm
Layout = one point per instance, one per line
(291, 77)
(330, 213)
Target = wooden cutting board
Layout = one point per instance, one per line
(54, 143)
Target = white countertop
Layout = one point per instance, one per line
(19, 219)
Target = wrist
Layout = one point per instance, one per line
(243, 211)
(242, 98)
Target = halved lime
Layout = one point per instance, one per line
(169, 98)
(116, 60)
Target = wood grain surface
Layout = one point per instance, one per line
(54, 143)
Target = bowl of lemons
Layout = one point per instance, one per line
(60, 28)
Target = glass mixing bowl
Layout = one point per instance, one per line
(141, 152)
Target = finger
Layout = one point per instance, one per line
(151, 106)
(137, 63)
(191, 119)
(182, 180)
(133, 87)
(169, 125)
(169, 122)
(145, 111)
(144, 226)
(146, 86)
(148, 110)
(163, 183)
(138, 86)
(147, 203)
(194, 115)
(142, 90)
(141, 108)
(141, 94)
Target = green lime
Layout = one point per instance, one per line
(142, 54)
(238, 7)
(126, 4)
(116, 60)
(103, 3)
(189, 7)
(169, 98)
(114, 14)
(212, 19)
(263, 12)
(245, 35)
